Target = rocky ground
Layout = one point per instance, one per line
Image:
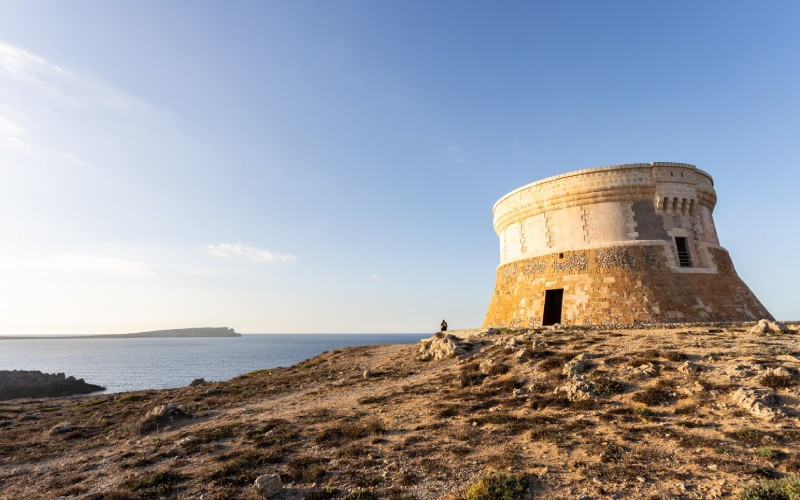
(700, 411)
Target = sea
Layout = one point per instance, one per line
(130, 364)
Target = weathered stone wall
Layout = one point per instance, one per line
(621, 285)
(607, 236)
(605, 206)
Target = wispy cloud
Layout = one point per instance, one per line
(80, 263)
(375, 277)
(456, 154)
(254, 254)
(50, 115)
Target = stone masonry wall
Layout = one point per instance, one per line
(621, 285)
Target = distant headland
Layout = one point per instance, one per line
(206, 331)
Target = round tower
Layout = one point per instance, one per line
(622, 244)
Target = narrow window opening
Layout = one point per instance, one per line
(672, 174)
(552, 306)
(683, 252)
(681, 174)
(561, 255)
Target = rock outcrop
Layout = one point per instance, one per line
(162, 415)
(35, 384)
(767, 326)
(443, 346)
(760, 402)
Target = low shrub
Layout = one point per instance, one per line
(787, 488)
(774, 381)
(652, 396)
(495, 487)
(350, 431)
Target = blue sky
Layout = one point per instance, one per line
(331, 166)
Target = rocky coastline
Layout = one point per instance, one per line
(35, 384)
(681, 411)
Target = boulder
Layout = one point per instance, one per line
(188, 440)
(766, 326)
(577, 365)
(744, 370)
(778, 327)
(759, 402)
(524, 354)
(647, 369)
(161, 415)
(268, 485)
(576, 390)
(443, 346)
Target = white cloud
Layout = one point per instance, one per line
(9, 128)
(456, 154)
(95, 263)
(375, 277)
(252, 253)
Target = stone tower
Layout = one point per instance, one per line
(615, 245)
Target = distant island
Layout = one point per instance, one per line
(207, 331)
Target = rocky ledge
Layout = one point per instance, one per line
(35, 384)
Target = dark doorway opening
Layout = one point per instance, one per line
(552, 306)
(683, 252)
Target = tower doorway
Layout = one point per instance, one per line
(552, 306)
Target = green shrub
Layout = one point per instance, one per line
(642, 411)
(160, 484)
(129, 398)
(495, 487)
(750, 436)
(787, 488)
(768, 453)
(605, 385)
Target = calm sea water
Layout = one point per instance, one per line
(134, 364)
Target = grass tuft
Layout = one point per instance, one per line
(495, 487)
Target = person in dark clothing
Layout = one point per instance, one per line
(444, 325)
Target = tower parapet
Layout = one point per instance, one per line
(618, 244)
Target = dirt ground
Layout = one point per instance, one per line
(567, 412)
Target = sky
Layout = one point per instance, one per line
(331, 166)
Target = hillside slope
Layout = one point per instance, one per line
(694, 412)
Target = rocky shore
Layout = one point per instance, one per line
(681, 411)
(35, 384)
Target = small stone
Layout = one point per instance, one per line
(689, 368)
(641, 479)
(523, 354)
(268, 485)
(367, 374)
(187, 440)
(646, 370)
(61, 428)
